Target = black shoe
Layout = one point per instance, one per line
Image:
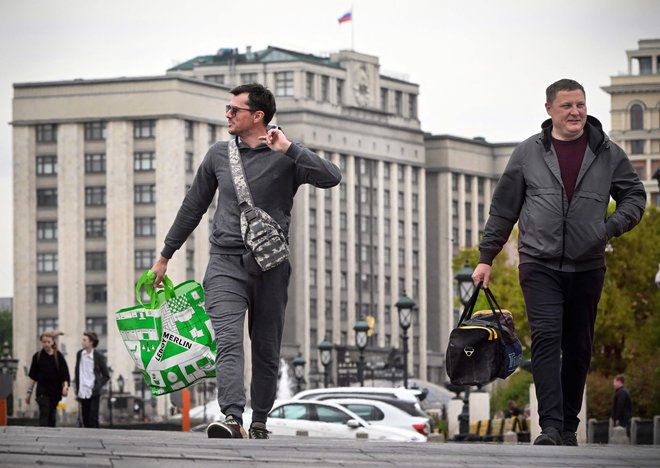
(258, 431)
(549, 436)
(569, 438)
(230, 428)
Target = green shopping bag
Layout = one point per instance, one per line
(171, 339)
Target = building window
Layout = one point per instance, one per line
(46, 230)
(144, 161)
(212, 134)
(96, 294)
(188, 129)
(247, 78)
(94, 131)
(190, 162)
(344, 280)
(220, 79)
(46, 295)
(640, 169)
(325, 85)
(309, 85)
(312, 217)
(412, 106)
(343, 221)
(46, 324)
(384, 101)
(340, 91)
(312, 277)
(144, 129)
(144, 259)
(636, 117)
(46, 165)
(95, 228)
(145, 227)
(95, 163)
(98, 325)
(190, 260)
(95, 261)
(637, 146)
(645, 65)
(47, 197)
(94, 196)
(398, 102)
(46, 133)
(454, 181)
(284, 83)
(47, 262)
(144, 194)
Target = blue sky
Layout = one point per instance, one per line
(482, 65)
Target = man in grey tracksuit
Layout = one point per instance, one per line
(557, 186)
(274, 169)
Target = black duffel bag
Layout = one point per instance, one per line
(484, 345)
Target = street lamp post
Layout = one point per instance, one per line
(465, 287)
(110, 372)
(404, 307)
(299, 371)
(137, 377)
(361, 328)
(325, 351)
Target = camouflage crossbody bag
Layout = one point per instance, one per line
(262, 235)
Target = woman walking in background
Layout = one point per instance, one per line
(51, 375)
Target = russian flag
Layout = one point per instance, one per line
(348, 16)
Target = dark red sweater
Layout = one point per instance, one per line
(570, 155)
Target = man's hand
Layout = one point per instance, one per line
(276, 140)
(482, 273)
(160, 267)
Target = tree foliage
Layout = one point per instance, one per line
(5, 328)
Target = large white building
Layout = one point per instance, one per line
(636, 113)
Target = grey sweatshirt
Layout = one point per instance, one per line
(273, 179)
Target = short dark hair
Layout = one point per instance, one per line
(620, 378)
(93, 337)
(259, 98)
(564, 84)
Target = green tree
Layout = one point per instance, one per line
(628, 326)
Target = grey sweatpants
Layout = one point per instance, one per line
(229, 292)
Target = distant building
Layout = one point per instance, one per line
(6, 303)
(636, 113)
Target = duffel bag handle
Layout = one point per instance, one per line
(469, 306)
(147, 281)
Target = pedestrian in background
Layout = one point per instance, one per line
(557, 186)
(91, 375)
(621, 404)
(512, 410)
(274, 169)
(50, 373)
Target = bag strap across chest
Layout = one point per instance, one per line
(238, 176)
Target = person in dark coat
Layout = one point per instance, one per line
(621, 404)
(91, 375)
(50, 373)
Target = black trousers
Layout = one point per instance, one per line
(47, 410)
(561, 310)
(90, 411)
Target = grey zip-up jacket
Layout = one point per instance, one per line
(273, 179)
(562, 236)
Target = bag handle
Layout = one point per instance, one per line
(469, 306)
(497, 310)
(147, 281)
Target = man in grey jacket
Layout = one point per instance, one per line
(557, 186)
(274, 169)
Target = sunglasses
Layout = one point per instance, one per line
(234, 109)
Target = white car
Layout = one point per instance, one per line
(400, 393)
(329, 420)
(382, 413)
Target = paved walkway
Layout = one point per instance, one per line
(21, 446)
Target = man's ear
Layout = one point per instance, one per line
(547, 108)
(258, 116)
